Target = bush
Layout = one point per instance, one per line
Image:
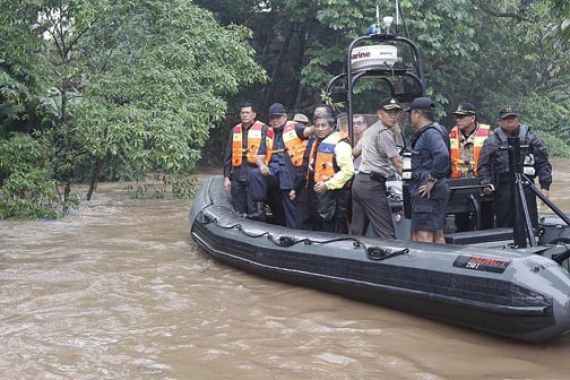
(26, 190)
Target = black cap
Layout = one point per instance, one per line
(277, 109)
(423, 104)
(388, 104)
(507, 111)
(465, 109)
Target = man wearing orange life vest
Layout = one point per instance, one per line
(279, 161)
(466, 141)
(241, 156)
(303, 193)
(330, 168)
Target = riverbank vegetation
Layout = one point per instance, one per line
(99, 89)
(106, 90)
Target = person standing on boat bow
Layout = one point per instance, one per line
(466, 141)
(494, 166)
(380, 158)
(274, 180)
(241, 156)
(330, 170)
(430, 170)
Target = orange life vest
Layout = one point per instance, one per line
(481, 133)
(254, 134)
(324, 162)
(294, 145)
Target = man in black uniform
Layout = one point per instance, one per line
(494, 166)
(274, 178)
(240, 157)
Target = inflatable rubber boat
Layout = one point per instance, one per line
(508, 282)
(517, 293)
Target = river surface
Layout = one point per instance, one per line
(117, 290)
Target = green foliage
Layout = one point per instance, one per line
(556, 146)
(559, 29)
(26, 189)
(547, 116)
(489, 53)
(106, 82)
(121, 89)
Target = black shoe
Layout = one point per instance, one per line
(259, 213)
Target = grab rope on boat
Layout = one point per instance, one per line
(282, 240)
(373, 253)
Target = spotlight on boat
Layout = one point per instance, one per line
(388, 22)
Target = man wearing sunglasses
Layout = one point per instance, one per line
(494, 166)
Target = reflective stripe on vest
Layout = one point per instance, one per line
(253, 141)
(324, 165)
(294, 146)
(481, 133)
(269, 143)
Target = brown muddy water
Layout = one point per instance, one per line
(117, 290)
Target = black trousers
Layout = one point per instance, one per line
(305, 208)
(241, 197)
(503, 209)
(331, 211)
(267, 189)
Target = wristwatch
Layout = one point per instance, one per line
(431, 179)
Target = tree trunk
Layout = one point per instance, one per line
(66, 192)
(277, 67)
(94, 178)
(297, 67)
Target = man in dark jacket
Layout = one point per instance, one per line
(494, 166)
(430, 168)
(274, 178)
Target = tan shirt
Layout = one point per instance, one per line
(378, 148)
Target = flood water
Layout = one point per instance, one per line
(117, 290)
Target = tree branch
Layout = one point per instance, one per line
(485, 8)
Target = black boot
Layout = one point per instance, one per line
(259, 213)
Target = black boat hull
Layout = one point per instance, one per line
(505, 292)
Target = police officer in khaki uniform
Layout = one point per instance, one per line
(380, 158)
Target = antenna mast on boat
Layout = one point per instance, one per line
(400, 14)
